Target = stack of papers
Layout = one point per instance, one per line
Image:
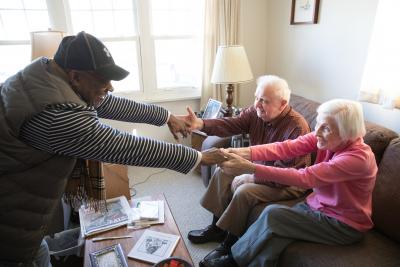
(93, 222)
(146, 212)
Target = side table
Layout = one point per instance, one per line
(127, 244)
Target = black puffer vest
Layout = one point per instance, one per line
(31, 181)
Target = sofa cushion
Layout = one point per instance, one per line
(305, 107)
(374, 250)
(378, 138)
(386, 195)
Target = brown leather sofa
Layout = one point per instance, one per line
(381, 246)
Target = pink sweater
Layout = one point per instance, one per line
(342, 182)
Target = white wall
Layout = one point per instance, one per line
(325, 60)
(252, 35)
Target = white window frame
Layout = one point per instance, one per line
(59, 16)
(148, 62)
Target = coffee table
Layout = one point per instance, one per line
(127, 244)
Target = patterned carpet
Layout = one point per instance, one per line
(183, 193)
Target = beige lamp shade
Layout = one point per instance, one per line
(45, 43)
(231, 65)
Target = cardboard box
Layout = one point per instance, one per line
(116, 180)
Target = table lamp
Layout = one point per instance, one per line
(231, 67)
(45, 43)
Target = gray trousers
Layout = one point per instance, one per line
(280, 225)
(234, 208)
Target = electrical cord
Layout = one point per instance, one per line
(142, 182)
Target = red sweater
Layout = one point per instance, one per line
(342, 182)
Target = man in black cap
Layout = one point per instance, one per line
(49, 117)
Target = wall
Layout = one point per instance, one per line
(325, 60)
(252, 35)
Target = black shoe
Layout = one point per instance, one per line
(223, 248)
(224, 261)
(209, 234)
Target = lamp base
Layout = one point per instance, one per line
(229, 101)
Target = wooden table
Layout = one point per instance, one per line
(127, 244)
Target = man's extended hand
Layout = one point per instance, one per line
(191, 120)
(178, 126)
(241, 179)
(213, 156)
(236, 165)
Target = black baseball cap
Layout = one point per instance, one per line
(86, 52)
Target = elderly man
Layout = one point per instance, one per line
(49, 117)
(231, 198)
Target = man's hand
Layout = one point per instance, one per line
(241, 179)
(236, 165)
(191, 120)
(178, 126)
(243, 152)
(213, 156)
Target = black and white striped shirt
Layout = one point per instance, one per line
(75, 130)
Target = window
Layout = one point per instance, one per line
(158, 41)
(17, 19)
(380, 82)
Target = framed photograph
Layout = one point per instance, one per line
(109, 256)
(212, 109)
(304, 12)
(154, 246)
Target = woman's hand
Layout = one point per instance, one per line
(243, 152)
(241, 179)
(236, 165)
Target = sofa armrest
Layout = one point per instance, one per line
(209, 142)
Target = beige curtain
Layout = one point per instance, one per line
(221, 28)
(381, 80)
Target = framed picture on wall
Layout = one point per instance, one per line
(304, 12)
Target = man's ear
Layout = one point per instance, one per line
(283, 104)
(73, 77)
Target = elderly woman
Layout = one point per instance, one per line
(342, 178)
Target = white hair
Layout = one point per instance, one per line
(280, 86)
(348, 116)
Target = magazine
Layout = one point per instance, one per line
(93, 222)
(154, 246)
